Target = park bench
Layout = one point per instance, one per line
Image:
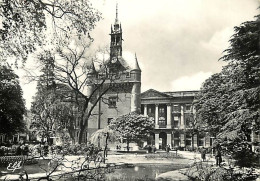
(130, 148)
(174, 150)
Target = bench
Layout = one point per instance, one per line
(174, 150)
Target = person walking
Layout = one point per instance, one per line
(218, 155)
(168, 148)
(203, 154)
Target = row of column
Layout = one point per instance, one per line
(181, 141)
(169, 116)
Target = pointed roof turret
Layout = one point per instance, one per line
(116, 20)
(136, 65)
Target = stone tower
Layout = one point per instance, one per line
(134, 71)
(124, 95)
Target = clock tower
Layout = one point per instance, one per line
(116, 40)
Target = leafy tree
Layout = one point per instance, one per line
(102, 136)
(73, 67)
(25, 24)
(132, 127)
(229, 101)
(52, 108)
(12, 106)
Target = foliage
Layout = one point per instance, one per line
(228, 102)
(132, 127)
(26, 24)
(206, 171)
(101, 136)
(74, 67)
(12, 106)
(51, 109)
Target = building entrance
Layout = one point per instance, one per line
(162, 140)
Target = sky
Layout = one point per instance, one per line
(177, 42)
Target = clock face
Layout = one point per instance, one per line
(114, 59)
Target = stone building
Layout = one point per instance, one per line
(123, 76)
(172, 111)
(173, 114)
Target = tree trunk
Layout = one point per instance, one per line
(127, 145)
(80, 136)
(105, 149)
(83, 127)
(192, 142)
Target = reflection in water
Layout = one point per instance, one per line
(141, 172)
(136, 168)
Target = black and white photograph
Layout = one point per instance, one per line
(130, 90)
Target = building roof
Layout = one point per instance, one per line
(182, 93)
(154, 94)
(127, 60)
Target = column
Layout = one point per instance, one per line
(169, 116)
(207, 141)
(18, 137)
(156, 116)
(182, 140)
(145, 109)
(182, 118)
(156, 141)
(169, 139)
(195, 139)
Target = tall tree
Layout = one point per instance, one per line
(132, 127)
(52, 108)
(12, 106)
(229, 101)
(24, 23)
(75, 68)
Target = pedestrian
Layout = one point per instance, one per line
(153, 149)
(168, 148)
(218, 155)
(18, 150)
(203, 154)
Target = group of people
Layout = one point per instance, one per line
(218, 155)
(151, 149)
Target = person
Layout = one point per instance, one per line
(218, 155)
(46, 149)
(168, 148)
(18, 150)
(203, 154)
(149, 149)
(153, 149)
(26, 150)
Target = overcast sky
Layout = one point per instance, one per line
(177, 42)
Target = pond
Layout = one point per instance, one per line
(142, 171)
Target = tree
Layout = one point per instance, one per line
(73, 67)
(25, 23)
(12, 106)
(229, 101)
(102, 136)
(52, 108)
(193, 125)
(132, 127)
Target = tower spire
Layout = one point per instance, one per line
(116, 21)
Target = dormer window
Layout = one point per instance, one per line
(128, 75)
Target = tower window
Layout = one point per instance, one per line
(128, 75)
(112, 102)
